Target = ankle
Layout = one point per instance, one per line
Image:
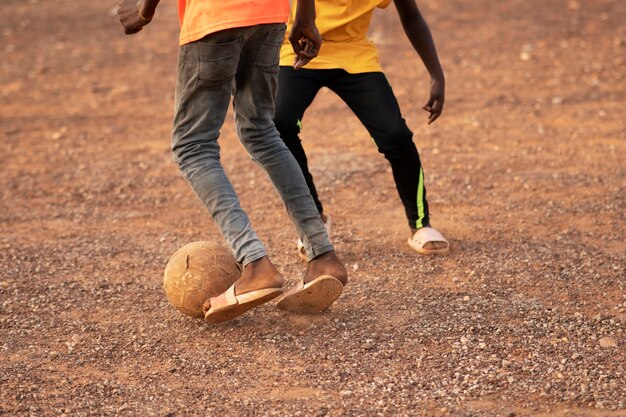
(259, 274)
(326, 264)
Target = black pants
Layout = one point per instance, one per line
(371, 98)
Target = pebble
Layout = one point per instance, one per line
(607, 342)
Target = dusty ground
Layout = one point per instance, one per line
(526, 175)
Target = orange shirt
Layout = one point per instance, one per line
(199, 18)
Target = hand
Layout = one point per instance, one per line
(128, 11)
(306, 42)
(435, 102)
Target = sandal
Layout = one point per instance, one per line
(312, 298)
(228, 305)
(426, 235)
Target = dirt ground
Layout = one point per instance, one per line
(526, 176)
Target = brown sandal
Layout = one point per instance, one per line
(228, 306)
(312, 298)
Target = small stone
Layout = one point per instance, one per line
(355, 267)
(466, 298)
(607, 342)
(557, 100)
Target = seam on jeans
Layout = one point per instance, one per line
(266, 43)
(239, 41)
(197, 67)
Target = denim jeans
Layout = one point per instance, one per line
(242, 62)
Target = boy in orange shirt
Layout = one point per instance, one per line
(233, 48)
(348, 65)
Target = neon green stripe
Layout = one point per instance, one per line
(299, 124)
(420, 201)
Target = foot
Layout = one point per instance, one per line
(320, 287)
(427, 240)
(326, 264)
(435, 245)
(257, 275)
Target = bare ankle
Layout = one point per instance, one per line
(259, 274)
(326, 264)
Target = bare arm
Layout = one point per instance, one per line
(135, 14)
(417, 31)
(304, 37)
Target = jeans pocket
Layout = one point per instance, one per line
(268, 57)
(217, 62)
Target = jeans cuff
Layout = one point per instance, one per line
(255, 256)
(314, 253)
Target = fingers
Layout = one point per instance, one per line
(433, 116)
(295, 44)
(132, 31)
(300, 63)
(435, 108)
(429, 105)
(307, 51)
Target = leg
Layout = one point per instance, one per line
(254, 103)
(255, 89)
(206, 71)
(370, 97)
(296, 91)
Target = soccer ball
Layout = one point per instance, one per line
(196, 272)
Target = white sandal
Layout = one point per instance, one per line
(426, 235)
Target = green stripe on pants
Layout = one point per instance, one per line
(420, 201)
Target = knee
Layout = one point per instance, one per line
(191, 154)
(264, 145)
(395, 140)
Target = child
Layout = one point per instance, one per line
(233, 48)
(348, 65)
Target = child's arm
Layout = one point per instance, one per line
(304, 37)
(417, 31)
(134, 14)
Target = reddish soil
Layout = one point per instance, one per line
(526, 176)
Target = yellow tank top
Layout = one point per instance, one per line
(343, 25)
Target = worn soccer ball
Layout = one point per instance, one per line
(196, 272)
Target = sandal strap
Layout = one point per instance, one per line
(227, 298)
(427, 234)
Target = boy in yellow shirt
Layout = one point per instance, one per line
(348, 65)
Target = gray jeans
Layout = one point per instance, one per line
(242, 62)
